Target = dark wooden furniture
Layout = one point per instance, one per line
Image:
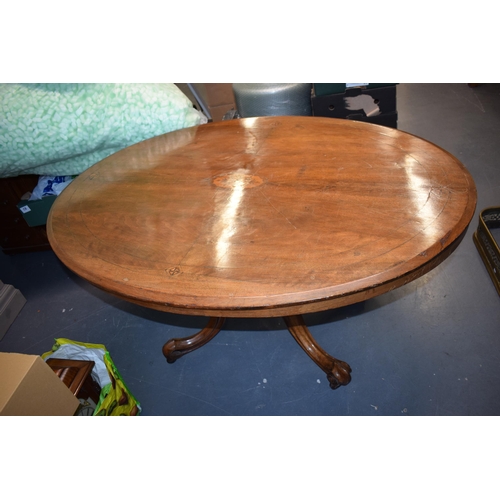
(15, 234)
(264, 217)
(76, 375)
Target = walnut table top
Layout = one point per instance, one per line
(260, 217)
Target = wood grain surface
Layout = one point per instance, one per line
(270, 216)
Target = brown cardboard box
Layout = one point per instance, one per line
(220, 99)
(218, 112)
(217, 97)
(28, 386)
(219, 94)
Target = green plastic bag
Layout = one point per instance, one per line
(115, 398)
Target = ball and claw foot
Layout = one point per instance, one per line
(170, 352)
(340, 375)
(337, 372)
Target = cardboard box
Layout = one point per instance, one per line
(28, 386)
(218, 112)
(219, 94)
(35, 212)
(217, 98)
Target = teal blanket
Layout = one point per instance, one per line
(63, 129)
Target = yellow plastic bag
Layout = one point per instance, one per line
(115, 398)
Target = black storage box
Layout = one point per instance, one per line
(337, 88)
(375, 105)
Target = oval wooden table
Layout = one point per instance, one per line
(263, 217)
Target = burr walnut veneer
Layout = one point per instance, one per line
(263, 217)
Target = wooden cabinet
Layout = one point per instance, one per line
(15, 234)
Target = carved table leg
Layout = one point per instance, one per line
(337, 372)
(176, 348)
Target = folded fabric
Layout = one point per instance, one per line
(63, 129)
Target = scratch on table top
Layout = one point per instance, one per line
(282, 215)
